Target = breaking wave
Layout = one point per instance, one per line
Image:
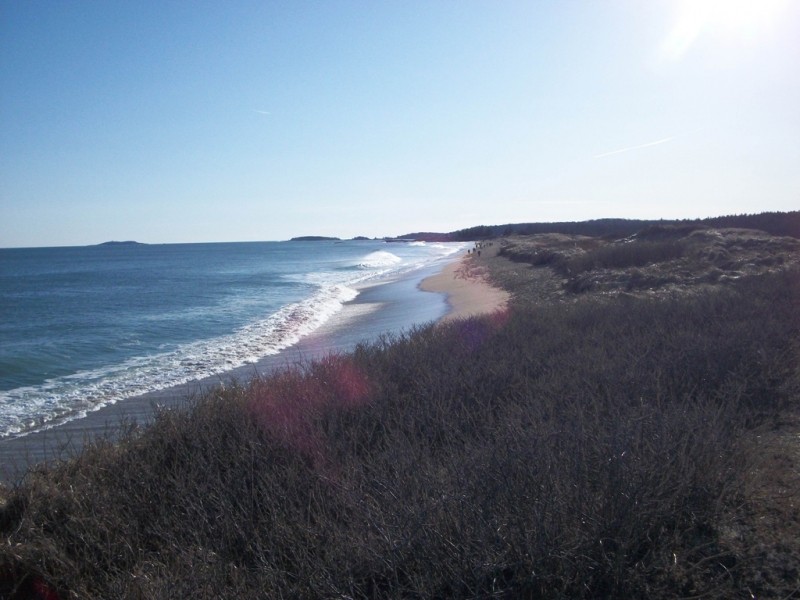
(30, 408)
(379, 259)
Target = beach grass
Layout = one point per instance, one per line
(601, 448)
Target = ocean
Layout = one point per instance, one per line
(85, 327)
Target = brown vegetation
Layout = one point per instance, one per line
(624, 444)
(659, 259)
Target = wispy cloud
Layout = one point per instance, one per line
(637, 147)
(262, 112)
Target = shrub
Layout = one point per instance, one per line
(590, 450)
(623, 255)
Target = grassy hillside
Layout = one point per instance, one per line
(773, 223)
(582, 444)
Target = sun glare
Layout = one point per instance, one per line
(727, 20)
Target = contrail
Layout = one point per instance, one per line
(262, 112)
(667, 139)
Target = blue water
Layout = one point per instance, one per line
(84, 327)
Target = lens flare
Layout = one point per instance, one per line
(736, 20)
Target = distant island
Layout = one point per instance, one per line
(423, 236)
(124, 243)
(314, 238)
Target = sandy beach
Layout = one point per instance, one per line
(466, 286)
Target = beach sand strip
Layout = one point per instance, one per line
(465, 283)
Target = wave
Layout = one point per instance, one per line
(379, 259)
(33, 408)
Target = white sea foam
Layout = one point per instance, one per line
(379, 259)
(37, 407)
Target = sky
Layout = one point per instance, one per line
(162, 121)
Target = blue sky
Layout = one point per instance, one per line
(223, 121)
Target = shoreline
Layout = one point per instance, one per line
(389, 307)
(456, 289)
(465, 284)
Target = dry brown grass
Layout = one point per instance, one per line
(596, 449)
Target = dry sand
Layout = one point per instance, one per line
(465, 282)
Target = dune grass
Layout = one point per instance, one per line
(597, 449)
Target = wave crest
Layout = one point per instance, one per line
(379, 259)
(32, 408)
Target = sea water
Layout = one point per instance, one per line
(84, 327)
